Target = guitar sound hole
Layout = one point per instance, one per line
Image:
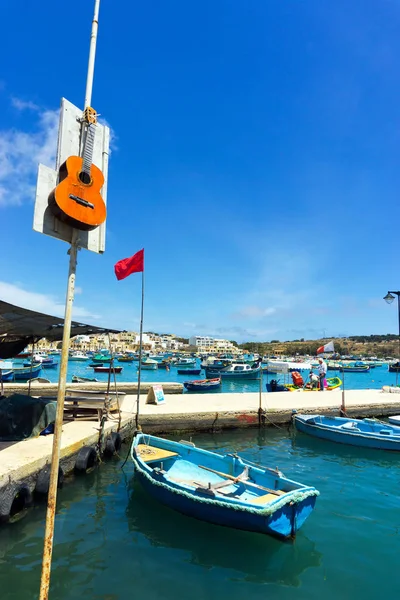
(84, 177)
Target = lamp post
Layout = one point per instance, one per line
(390, 296)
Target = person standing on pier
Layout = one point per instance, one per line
(322, 369)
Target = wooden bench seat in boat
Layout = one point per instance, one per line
(264, 499)
(150, 454)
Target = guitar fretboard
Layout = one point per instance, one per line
(88, 148)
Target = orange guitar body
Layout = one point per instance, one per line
(75, 202)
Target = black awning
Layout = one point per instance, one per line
(20, 326)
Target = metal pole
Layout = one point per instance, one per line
(92, 54)
(55, 457)
(140, 355)
(398, 360)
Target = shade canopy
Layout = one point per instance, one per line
(20, 326)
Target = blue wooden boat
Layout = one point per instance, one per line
(394, 367)
(188, 371)
(225, 490)
(25, 373)
(6, 376)
(367, 433)
(202, 385)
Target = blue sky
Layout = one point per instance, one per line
(255, 158)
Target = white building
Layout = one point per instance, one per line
(202, 342)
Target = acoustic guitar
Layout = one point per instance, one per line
(76, 200)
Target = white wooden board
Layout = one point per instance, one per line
(69, 144)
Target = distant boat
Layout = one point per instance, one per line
(202, 385)
(354, 368)
(221, 489)
(149, 364)
(26, 373)
(164, 365)
(235, 371)
(185, 362)
(125, 359)
(367, 433)
(95, 364)
(394, 367)
(77, 379)
(101, 358)
(78, 357)
(188, 371)
(108, 369)
(6, 376)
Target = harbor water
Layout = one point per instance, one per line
(374, 379)
(113, 542)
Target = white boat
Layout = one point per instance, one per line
(394, 420)
(149, 364)
(235, 371)
(78, 356)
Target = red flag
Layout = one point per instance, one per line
(127, 266)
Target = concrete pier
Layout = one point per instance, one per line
(21, 462)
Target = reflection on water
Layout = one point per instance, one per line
(255, 557)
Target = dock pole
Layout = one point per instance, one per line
(55, 457)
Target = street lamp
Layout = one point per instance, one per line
(390, 296)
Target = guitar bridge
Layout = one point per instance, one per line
(81, 201)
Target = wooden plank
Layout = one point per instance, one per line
(249, 483)
(150, 454)
(263, 499)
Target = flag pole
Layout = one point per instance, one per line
(140, 355)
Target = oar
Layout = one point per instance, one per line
(249, 483)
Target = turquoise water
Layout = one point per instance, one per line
(375, 378)
(113, 542)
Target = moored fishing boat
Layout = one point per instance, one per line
(78, 356)
(354, 368)
(202, 385)
(149, 364)
(77, 379)
(221, 489)
(6, 376)
(367, 433)
(125, 359)
(235, 371)
(101, 358)
(107, 369)
(185, 362)
(332, 383)
(394, 367)
(26, 373)
(188, 371)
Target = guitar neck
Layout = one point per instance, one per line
(88, 148)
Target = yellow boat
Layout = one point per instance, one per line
(333, 383)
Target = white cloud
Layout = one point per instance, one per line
(20, 153)
(23, 104)
(46, 303)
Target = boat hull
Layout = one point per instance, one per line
(6, 376)
(178, 487)
(283, 524)
(210, 374)
(345, 436)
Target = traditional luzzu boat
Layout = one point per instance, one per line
(125, 359)
(224, 490)
(26, 373)
(332, 384)
(185, 362)
(356, 368)
(367, 433)
(78, 356)
(202, 385)
(6, 376)
(235, 371)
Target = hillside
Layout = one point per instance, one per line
(369, 345)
